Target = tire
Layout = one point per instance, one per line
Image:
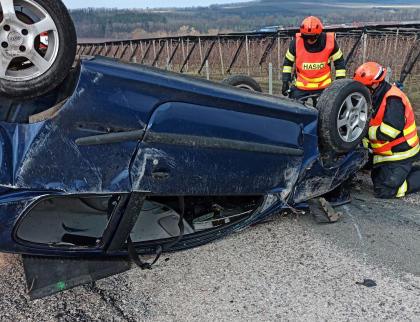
(344, 115)
(242, 81)
(26, 69)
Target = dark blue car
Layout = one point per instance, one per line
(121, 159)
(108, 153)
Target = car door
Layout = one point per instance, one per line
(190, 149)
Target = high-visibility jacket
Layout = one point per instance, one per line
(313, 69)
(383, 149)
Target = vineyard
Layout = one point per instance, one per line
(394, 46)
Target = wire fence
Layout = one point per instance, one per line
(394, 46)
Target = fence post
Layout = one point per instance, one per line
(172, 47)
(278, 56)
(183, 52)
(167, 53)
(141, 49)
(270, 78)
(201, 54)
(221, 58)
(396, 41)
(388, 74)
(188, 43)
(364, 47)
(207, 70)
(247, 54)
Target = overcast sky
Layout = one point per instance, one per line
(142, 4)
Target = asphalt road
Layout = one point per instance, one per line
(288, 269)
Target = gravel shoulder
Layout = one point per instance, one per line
(288, 268)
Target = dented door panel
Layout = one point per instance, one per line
(192, 149)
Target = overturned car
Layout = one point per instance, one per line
(124, 159)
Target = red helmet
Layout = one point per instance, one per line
(370, 73)
(310, 26)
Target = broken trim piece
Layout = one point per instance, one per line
(35, 118)
(111, 138)
(132, 212)
(321, 211)
(217, 143)
(49, 275)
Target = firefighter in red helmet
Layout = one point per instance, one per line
(392, 135)
(313, 51)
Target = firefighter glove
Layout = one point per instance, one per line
(285, 89)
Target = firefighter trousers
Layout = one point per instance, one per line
(395, 179)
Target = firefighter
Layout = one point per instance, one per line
(392, 135)
(313, 51)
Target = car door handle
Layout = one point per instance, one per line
(160, 174)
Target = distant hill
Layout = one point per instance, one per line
(162, 22)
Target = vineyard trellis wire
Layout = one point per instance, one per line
(394, 45)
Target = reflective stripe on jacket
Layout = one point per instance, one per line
(383, 149)
(313, 69)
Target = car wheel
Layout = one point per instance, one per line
(29, 68)
(242, 81)
(344, 115)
